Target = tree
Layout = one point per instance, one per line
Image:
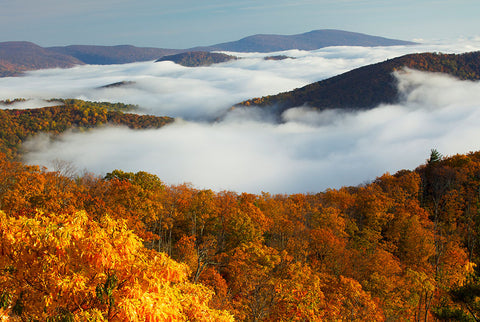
(59, 266)
(435, 156)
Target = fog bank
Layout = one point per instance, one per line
(310, 152)
(248, 151)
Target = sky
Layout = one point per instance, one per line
(248, 150)
(190, 23)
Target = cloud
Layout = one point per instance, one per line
(28, 104)
(248, 151)
(310, 152)
(203, 93)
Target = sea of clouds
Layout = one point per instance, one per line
(248, 150)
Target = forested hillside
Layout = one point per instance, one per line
(371, 85)
(17, 125)
(129, 247)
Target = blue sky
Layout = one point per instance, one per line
(189, 23)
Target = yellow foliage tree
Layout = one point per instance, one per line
(69, 268)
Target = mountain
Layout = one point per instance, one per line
(371, 85)
(307, 41)
(197, 58)
(16, 57)
(107, 55)
(19, 56)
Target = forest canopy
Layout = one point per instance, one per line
(404, 247)
(18, 125)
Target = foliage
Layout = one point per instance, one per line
(17, 125)
(68, 267)
(400, 248)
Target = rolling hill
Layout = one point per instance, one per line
(371, 85)
(18, 56)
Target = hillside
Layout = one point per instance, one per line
(197, 58)
(106, 55)
(19, 56)
(371, 85)
(18, 125)
(307, 41)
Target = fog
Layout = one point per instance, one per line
(204, 93)
(309, 151)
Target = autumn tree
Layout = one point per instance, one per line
(69, 267)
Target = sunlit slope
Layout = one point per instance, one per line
(371, 85)
(18, 125)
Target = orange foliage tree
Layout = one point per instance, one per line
(61, 267)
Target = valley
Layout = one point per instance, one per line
(343, 186)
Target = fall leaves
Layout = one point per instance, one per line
(18, 125)
(127, 247)
(57, 265)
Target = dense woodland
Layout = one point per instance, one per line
(18, 125)
(370, 86)
(128, 247)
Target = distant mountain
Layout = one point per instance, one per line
(371, 85)
(197, 58)
(19, 56)
(107, 55)
(16, 57)
(307, 41)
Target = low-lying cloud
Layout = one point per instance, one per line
(248, 151)
(203, 93)
(309, 152)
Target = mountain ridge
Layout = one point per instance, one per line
(311, 40)
(17, 57)
(368, 86)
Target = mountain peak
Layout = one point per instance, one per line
(311, 40)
